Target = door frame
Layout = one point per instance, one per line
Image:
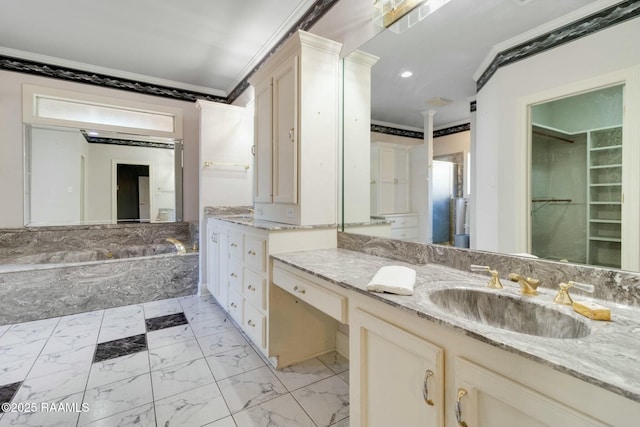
(114, 186)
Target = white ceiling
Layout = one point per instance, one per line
(210, 45)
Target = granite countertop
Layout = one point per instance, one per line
(244, 217)
(607, 357)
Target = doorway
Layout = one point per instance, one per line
(133, 193)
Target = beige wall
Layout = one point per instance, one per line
(11, 141)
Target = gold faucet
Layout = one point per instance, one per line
(528, 285)
(563, 296)
(178, 244)
(494, 282)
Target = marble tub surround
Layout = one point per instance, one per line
(43, 291)
(611, 286)
(196, 384)
(20, 242)
(605, 357)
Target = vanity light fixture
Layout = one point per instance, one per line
(406, 74)
(400, 15)
(92, 133)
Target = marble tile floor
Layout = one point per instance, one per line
(178, 362)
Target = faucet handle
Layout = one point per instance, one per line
(563, 296)
(494, 282)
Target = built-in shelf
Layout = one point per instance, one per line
(603, 235)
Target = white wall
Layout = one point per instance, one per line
(500, 163)
(226, 137)
(11, 140)
(55, 190)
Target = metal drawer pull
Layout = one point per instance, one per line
(425, 387)
(291, 134)
(253, 150)
(234, 245)
(234, 275)
(251, 252)
(251, 323)
(251, 288)
(461, 393)
(214, 237)
(233, 304)
(299, 290)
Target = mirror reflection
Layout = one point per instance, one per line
(76, 177)
(576, 178)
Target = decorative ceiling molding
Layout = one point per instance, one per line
(126, 142)
(388, 130)
(452, 130)
(315, 12)
(593, 23)
(20, 65)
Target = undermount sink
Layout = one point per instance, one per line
(504, 311)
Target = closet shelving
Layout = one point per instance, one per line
(604, 212)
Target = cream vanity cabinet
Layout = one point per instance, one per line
(244, 286)
(296, 129)
(411, 372)
(389, 178)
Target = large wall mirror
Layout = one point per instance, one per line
(75, 177)
(94, 160)
(574, 159)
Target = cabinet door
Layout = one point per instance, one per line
(285, 122)
(387, 180)
(485, 398)
(223, 259)
(263, 140)
(213, 258)
(401, 180)
(400, 377)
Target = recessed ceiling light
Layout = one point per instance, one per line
(92, 133)
(406, 74)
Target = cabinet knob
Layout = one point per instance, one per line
(233, 304)
(253, 150)
(425, 387)
(234, 275)
(251, 323)
(291, 134)
(299, 290)
(214, 237)
(250, 252)
(461, 393)
(251, 288)
(234, 245)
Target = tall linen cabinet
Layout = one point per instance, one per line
(296, 129)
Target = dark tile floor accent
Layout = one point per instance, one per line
(7, 392)
(168, 321)
(122, 347)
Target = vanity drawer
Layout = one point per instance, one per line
(315, 294)
(403, 222)
(236, 307)
(234, 275)
(254, 325)
(255, 288)
(255, 253)
(235, 244)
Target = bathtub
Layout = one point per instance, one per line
(55, 271)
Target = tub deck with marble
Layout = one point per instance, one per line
(175, 362)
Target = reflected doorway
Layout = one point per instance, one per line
(133, 193)
(577, 178)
